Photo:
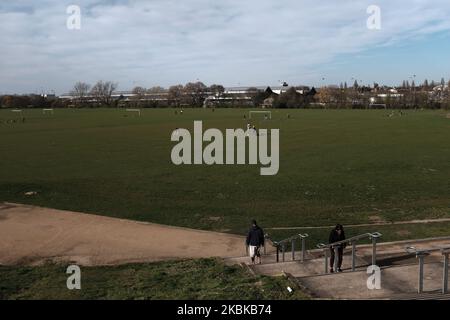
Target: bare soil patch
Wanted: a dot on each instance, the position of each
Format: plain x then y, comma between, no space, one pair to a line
32,235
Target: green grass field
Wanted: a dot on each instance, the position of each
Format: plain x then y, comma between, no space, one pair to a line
189,279
350,166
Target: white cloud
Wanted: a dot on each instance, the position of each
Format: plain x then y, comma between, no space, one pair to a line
167,41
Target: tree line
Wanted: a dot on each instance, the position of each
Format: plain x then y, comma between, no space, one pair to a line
430,95
196,94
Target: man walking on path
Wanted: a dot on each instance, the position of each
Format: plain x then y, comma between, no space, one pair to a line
255,240
336,235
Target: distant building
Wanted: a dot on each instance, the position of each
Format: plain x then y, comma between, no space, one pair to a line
268,103
231,95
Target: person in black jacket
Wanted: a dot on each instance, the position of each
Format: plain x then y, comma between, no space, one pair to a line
336,235
255,240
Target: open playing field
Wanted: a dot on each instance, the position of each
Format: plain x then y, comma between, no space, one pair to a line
347,166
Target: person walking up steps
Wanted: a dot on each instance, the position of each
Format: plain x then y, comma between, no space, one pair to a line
336,235
255,240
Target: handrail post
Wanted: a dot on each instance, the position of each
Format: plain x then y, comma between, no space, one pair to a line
421,257
283,248
353,255
293,249
303,248
266,238
421,254
278,253
325,250
374,251
336,257
445,273
353,240
374,237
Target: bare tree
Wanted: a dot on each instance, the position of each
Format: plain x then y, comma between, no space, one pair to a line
445,95
80,92
139,94
217,90
195,93
102,92
156,90
257,96
175,94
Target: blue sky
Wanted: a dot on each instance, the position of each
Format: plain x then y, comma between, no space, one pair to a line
427,58
253,42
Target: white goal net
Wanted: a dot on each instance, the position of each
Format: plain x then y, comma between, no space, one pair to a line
47,111
266,114
135,111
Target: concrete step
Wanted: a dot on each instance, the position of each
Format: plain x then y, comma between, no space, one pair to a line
270,257
388,254
437,295
314,263
309,267
396,282
399,271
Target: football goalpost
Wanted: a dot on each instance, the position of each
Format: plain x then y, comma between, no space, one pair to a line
267,114
377,106
45,111
137,111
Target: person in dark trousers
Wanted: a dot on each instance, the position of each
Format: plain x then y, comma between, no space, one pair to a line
336,235
255,240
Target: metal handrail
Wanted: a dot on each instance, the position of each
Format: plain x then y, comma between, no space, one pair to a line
297,236
353,240
281,245
421,254
415,251
350,240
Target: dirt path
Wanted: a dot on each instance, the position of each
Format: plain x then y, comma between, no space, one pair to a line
30,235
